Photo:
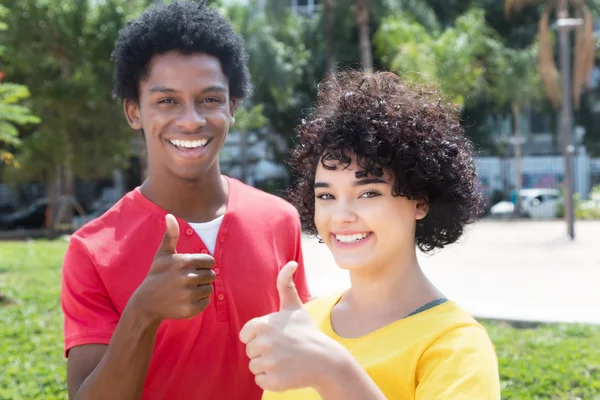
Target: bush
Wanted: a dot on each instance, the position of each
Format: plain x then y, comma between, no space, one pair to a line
547,361
584,209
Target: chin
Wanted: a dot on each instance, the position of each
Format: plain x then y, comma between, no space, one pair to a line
189,174
351,264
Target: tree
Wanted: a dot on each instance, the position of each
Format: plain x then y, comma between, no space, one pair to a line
248,119
582,65
515,83
364,36
12,113
284,50
328,29
67,64
453,56
584,48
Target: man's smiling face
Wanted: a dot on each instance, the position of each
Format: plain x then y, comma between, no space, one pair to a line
185,112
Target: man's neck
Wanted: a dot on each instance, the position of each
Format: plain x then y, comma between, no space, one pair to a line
200,200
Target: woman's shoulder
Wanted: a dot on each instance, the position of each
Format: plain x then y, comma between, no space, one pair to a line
321,306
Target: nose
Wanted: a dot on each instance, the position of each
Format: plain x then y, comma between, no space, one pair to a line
191,120
344,213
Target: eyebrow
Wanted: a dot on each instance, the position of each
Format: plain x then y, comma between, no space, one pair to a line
360,182
164,89
161,89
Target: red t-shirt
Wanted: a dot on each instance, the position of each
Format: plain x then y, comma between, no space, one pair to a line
201,358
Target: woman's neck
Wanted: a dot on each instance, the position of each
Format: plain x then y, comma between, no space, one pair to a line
395,289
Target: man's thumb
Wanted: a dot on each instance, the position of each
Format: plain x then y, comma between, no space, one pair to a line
288,295
169,241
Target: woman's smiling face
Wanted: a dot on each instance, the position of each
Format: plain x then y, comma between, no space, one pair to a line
359,219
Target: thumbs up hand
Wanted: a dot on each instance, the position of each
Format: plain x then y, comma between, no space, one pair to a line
177,285
286,349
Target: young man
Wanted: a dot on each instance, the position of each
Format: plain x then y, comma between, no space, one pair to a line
156,290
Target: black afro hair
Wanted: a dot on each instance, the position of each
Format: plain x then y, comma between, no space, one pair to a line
184,27
405,128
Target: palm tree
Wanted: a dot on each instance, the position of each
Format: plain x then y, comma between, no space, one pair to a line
328,9
584,46
364,38
583,66
516,84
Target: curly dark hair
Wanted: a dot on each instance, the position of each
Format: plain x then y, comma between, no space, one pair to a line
408,129
185,27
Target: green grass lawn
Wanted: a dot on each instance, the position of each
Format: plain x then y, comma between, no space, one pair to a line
543,362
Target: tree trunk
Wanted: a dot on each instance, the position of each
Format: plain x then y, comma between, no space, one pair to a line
329,6
364,38
516,110
68,193
51,192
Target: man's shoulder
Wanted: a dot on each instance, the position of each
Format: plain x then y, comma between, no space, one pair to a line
122,216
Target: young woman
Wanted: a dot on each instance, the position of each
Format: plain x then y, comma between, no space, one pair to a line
383,168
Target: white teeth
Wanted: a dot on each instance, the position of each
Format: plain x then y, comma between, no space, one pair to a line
351,238
189,144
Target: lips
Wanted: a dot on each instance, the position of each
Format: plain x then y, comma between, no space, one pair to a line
190,148
189,144
351,238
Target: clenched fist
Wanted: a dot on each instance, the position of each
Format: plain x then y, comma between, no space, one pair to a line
286,349
177,285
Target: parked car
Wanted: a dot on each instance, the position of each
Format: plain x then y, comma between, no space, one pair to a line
542,203
31,217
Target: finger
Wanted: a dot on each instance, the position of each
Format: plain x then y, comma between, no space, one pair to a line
269,382
196,261
201,292
261,381
256,366
170,238
198,306
250,330
288,295
255,348
194,307
197,278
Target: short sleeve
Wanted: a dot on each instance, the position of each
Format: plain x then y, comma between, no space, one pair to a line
461,364
89,314
300,277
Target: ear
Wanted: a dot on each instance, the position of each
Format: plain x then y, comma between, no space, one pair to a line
233,104
421,209
132,112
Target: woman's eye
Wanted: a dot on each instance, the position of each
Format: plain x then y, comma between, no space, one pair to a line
324,196
211,100
370,194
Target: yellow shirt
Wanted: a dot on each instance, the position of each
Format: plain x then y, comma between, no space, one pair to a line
440,353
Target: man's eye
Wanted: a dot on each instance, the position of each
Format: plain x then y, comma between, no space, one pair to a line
324,196
166,101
